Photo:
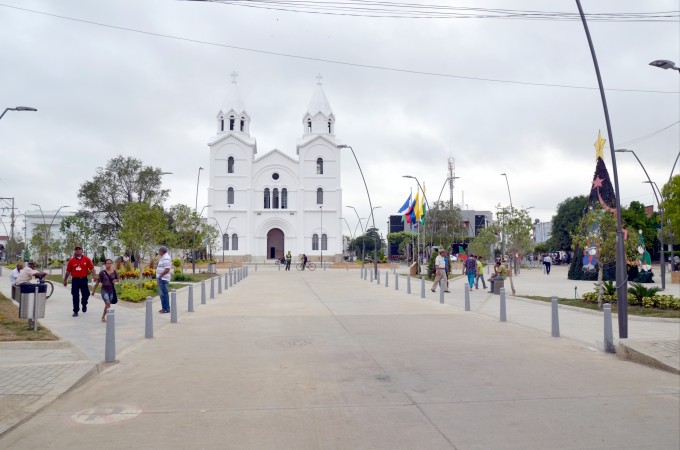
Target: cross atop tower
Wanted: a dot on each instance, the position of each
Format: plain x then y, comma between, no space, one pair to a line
318,79
233,76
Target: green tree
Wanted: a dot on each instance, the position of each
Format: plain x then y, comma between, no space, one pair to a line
209,238
671,203
564,224
144,226
401,239
635,218
40,242
484,242
183,222
122,181
370,240
596,232
444,225
76,230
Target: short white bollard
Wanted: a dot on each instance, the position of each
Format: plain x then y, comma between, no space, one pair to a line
148,326
503,315
371,276
555,317
396,281
442,288
226,283
422,287
219,285
377,276
190,299
387,278
212,287
231,278
608,332
110,348
203,292
173,306
467,297
408,284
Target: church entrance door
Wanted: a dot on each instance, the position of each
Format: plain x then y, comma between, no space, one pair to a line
275,240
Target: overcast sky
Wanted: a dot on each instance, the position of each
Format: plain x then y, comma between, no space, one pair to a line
103,91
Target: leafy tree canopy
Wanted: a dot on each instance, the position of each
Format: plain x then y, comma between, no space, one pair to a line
671,202
486,239
122,181
144,226
565,223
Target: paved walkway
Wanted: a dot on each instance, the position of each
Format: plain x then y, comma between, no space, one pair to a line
326,360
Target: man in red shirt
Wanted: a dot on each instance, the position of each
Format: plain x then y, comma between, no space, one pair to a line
79,267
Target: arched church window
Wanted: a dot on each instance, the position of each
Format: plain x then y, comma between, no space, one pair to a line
266,198
329,126
309,125
225,241
324,242
231,123
230,196
275,199
284,198
234,241
221,123
319,196
315,241
230,164
319,166
243,124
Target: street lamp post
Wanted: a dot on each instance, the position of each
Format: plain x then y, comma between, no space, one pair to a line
375,244
17,108
370,204
662,262
193,249
193,245
665,64
504,232
363,240
621,275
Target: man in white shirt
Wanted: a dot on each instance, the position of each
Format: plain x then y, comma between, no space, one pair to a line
15,273
440,269
28,273
547,261
163,279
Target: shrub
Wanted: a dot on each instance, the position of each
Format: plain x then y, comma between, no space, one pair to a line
132,293
182,277
644,277
637,291
177,263
608,288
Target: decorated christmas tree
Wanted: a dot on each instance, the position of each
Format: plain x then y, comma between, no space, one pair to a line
584,264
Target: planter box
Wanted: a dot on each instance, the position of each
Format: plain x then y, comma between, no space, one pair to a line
675,277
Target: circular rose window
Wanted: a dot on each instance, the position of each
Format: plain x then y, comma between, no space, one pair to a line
275,176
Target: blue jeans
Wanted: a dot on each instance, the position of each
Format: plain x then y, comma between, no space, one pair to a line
477,278
163,293
471,279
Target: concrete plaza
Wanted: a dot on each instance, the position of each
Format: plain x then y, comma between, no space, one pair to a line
324,359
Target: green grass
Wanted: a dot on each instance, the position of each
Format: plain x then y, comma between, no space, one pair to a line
14,329
632,310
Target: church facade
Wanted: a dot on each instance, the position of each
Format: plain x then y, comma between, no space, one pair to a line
268,204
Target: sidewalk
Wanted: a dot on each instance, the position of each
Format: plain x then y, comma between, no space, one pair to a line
241,336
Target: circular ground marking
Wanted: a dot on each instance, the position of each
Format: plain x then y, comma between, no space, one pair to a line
296,342
101,415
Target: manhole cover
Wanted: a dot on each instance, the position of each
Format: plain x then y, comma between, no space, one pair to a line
296,342
100,415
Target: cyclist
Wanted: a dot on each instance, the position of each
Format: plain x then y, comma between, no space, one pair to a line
304,261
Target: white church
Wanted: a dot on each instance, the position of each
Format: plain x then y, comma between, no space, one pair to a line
269,204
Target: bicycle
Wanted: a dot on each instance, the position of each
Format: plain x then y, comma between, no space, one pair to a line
309,266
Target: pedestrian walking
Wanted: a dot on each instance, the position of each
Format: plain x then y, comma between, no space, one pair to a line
470,268
480,273
439,271
107,278
547,261
289,258
163,279
78,268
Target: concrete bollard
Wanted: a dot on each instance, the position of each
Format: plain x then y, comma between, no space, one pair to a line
361,273
190,299
173,306
503,315
442,288
230,279
212,287
387,278
396,281
555,318
608,333
377,276
422,287
279,267
148,326
371,273
110,347
408,284
467,297
219,285
63,271
255,267
203,292
226,283
346,267
1,270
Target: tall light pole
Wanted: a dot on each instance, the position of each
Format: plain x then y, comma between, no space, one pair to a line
621,274
193,249
17,108
193,245
370,204
665,64
504,231
363,240
662,262
321,233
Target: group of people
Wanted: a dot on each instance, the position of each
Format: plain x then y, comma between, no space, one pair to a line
473,268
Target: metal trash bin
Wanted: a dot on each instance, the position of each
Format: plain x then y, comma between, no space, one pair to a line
212,268
30,303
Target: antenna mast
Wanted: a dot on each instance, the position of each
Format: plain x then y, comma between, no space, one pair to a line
452,172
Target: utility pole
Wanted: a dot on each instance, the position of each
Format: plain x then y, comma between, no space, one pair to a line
11,219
